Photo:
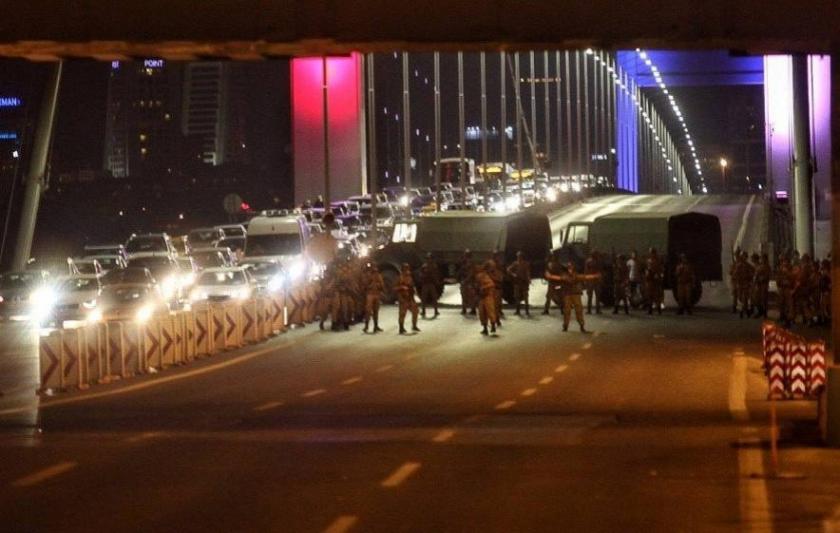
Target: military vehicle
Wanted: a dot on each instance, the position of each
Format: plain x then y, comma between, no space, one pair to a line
446,235
697,235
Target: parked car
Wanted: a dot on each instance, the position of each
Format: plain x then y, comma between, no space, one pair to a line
150,243
108,262
76,297
223,284
233,230
165,270
26,295
129,275
204,238
128,301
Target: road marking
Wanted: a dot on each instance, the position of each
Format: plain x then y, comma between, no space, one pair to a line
743,229
444,435
756,514
574,357
507,404
350,381
157,381
143,436
342,524
587,346
400,474
738,390
268,405
315,392
384,368
561,368
529,392
45,474
546,380
658,336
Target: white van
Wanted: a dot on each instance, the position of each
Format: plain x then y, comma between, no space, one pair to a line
277,239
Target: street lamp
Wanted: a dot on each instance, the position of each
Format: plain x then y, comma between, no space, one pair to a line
723,164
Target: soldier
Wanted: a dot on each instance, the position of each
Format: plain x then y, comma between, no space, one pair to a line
342,302
487,297
570,283
328,295
520,272
621,284
684,276
803,289
733,283
466,277
592,267
373,286
430,283
654,278
498,277
635,274
744,274
785,282
405,295
553,267
761,286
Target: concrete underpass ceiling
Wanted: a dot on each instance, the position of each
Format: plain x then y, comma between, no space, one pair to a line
253,29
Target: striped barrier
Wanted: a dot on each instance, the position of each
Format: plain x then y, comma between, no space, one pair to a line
49,355
203,340
150,347
795,368
114,353
167,340
278,313
72,361
249,322
232,325
132,339
93,353
217,328
188,345
816,367
178,336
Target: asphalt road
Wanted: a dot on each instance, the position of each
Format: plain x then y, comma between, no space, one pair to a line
630,428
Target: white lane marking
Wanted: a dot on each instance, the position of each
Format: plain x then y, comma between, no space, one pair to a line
561,368
658,336
743,229
574,357
143,436
315,392
546,380
400,474
350,381
529,392
384,368
157,381
587,346
45,474
507,404
444,435
738,390
268,405
756,514
342,524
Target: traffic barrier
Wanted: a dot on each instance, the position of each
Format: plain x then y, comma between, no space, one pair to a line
295,306
132,338
150,347
203,340
797,360
167,340
49,355
72,360
266,317
217,328
178,333
249,322
774,356
114,358
233,325
93,353
278,312
816,367
189,321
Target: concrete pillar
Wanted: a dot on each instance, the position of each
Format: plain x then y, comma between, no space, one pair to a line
803,201
835,205
37,170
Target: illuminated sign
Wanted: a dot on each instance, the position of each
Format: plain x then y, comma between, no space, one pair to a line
10,101
8,136
115,65
153,63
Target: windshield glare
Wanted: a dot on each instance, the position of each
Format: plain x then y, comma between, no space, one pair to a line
233,277
273,244
17,280
146,244
81,284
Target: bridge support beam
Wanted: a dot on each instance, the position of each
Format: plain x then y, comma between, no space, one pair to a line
37,170
835,203
803,187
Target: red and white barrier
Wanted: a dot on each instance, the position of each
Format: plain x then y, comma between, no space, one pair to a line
795,368
816,366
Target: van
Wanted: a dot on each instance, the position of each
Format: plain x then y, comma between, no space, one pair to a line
279,239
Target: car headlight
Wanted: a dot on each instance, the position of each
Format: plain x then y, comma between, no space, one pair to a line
404,201
169,287
564,187
364,250
275,283
187,279
512,202
551,195
42,301
95,316
242,294
196,296
296,270
144,314
576,187
90,304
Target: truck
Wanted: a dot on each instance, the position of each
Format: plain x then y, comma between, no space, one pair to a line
450,171
447,235
697,235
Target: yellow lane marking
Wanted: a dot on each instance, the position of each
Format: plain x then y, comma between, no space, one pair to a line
400,474
45,474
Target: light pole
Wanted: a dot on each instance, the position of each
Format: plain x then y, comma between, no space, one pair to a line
723,164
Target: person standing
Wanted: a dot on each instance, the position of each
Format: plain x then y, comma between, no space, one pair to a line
466,278
803,289
744,274
634,275
571,285
374,287
684,275
429,285
784,283
654,279
592,267
825,291
405,295
327,295
520,273
761,286
552,268
498,276
621,284
487,297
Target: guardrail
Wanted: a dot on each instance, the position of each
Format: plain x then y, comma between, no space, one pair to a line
102,352
795,367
